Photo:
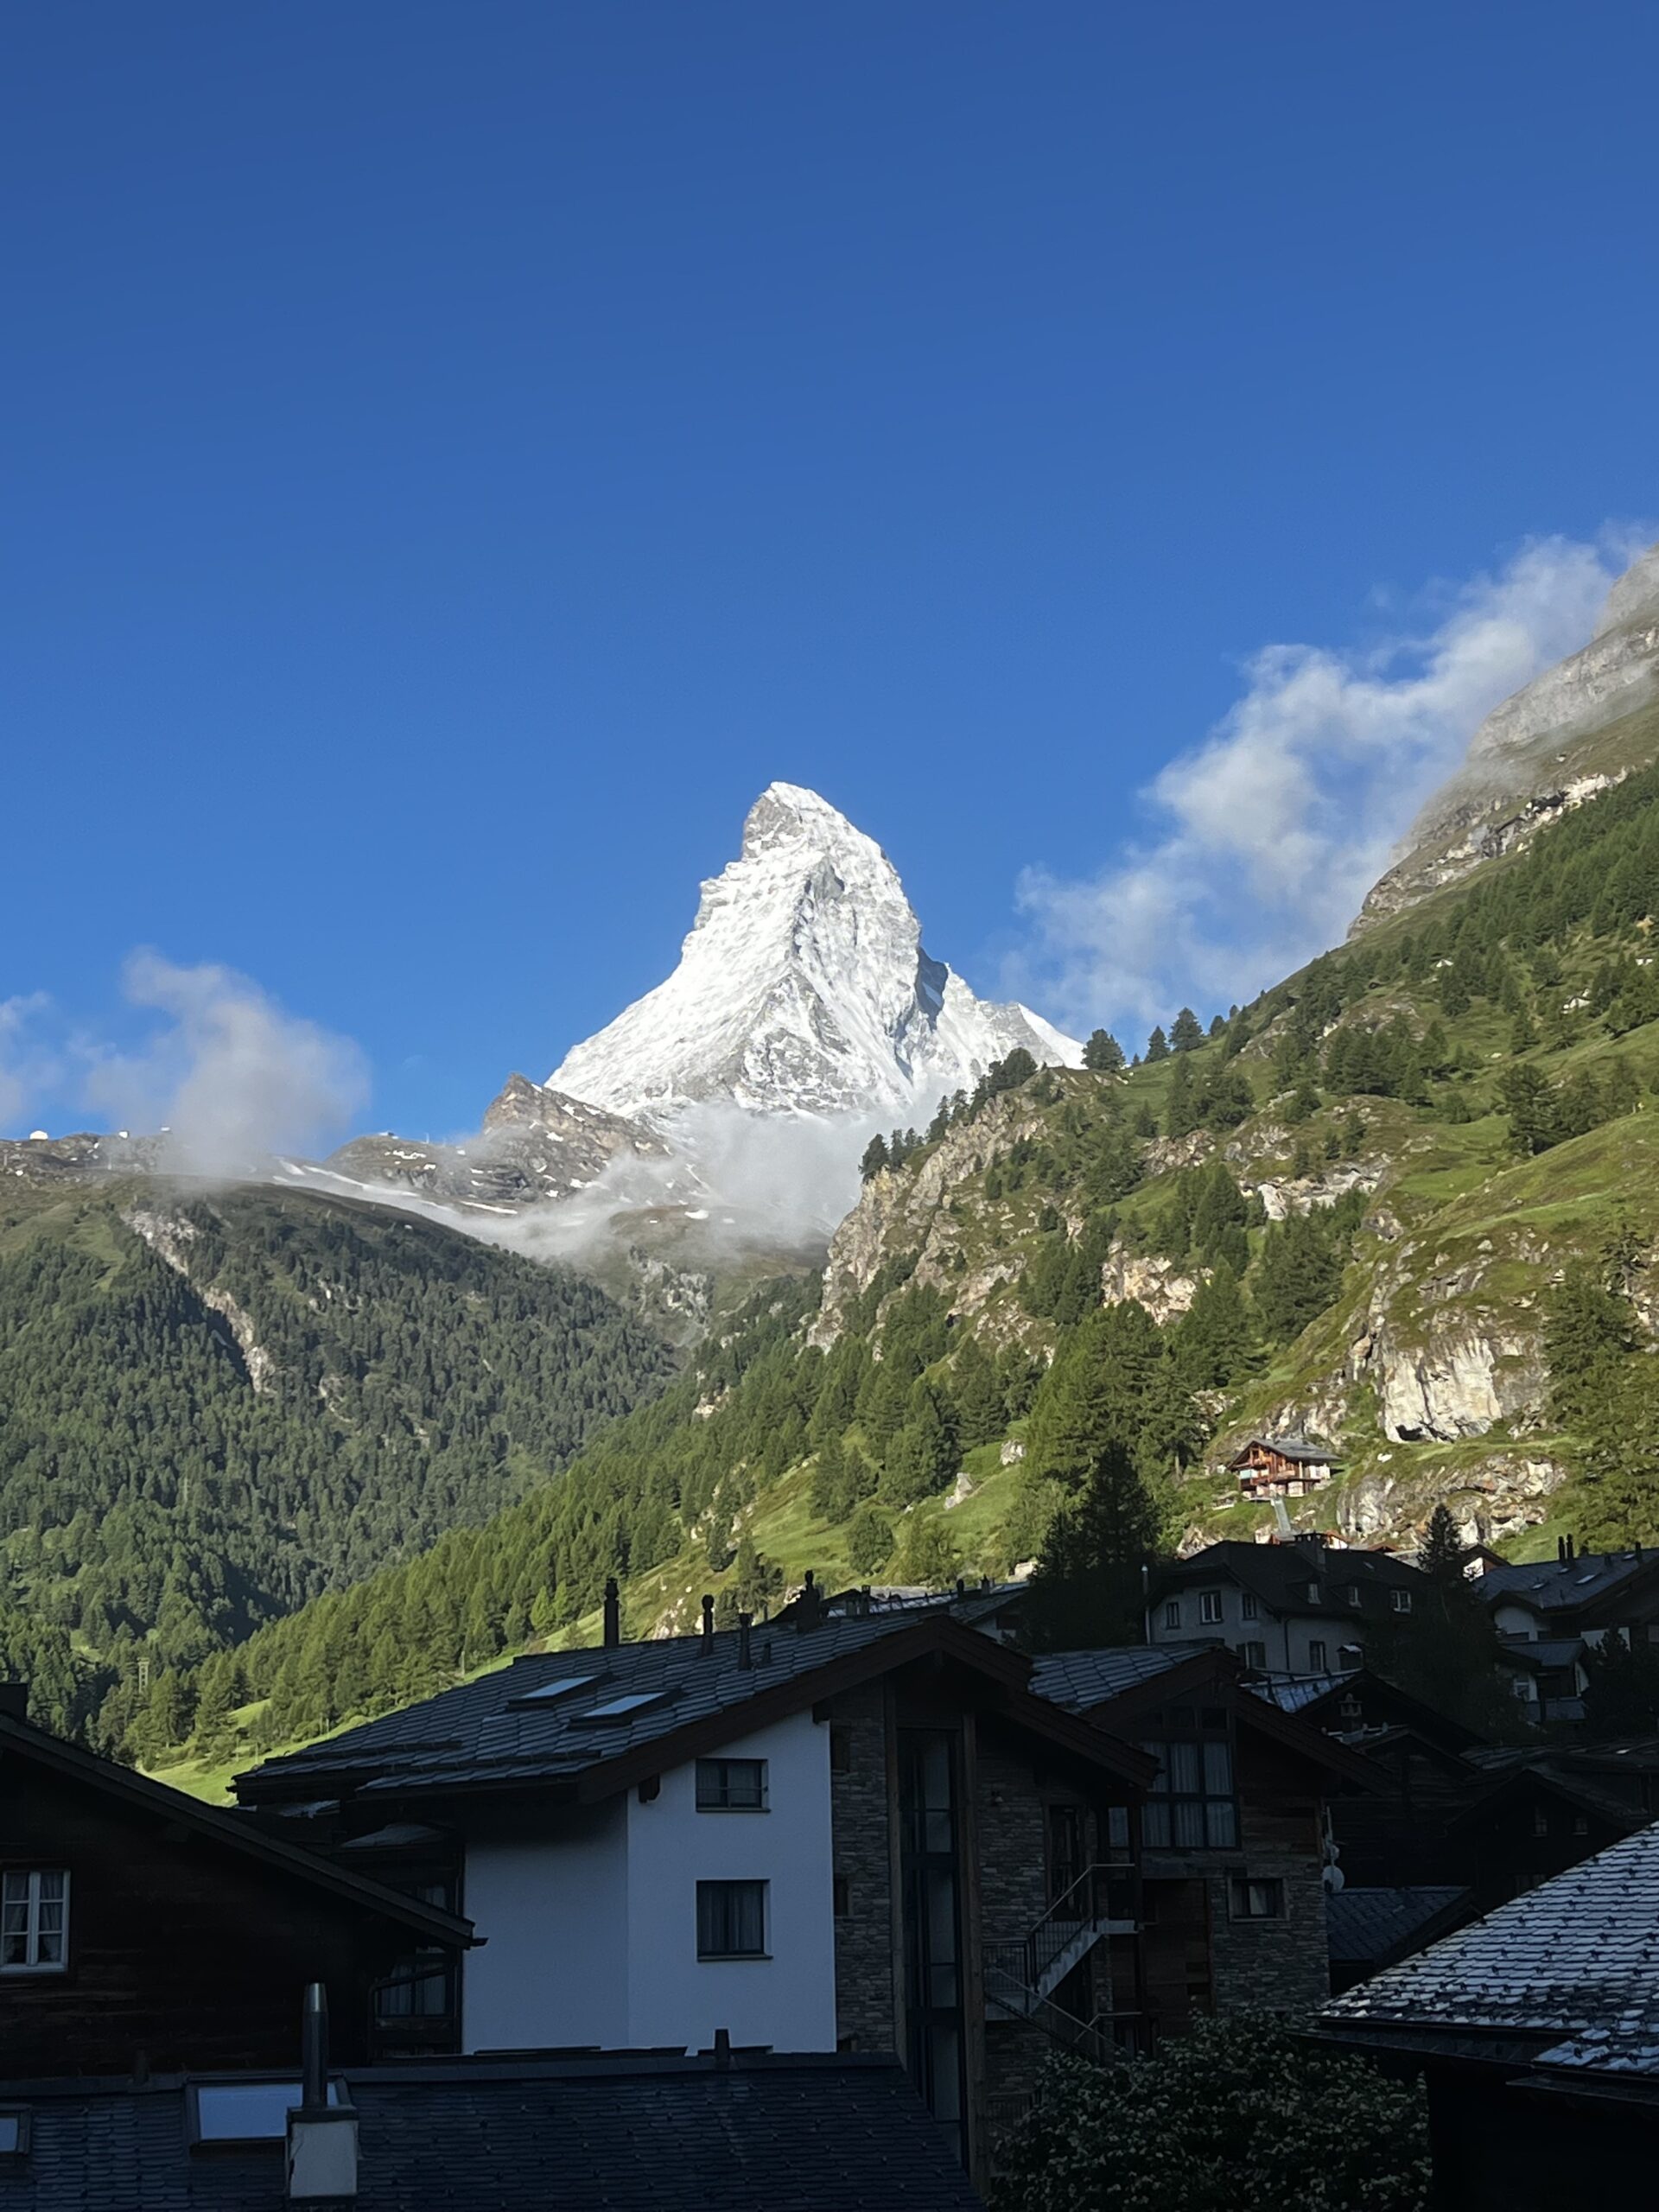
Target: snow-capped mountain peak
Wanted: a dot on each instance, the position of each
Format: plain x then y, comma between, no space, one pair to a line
802,987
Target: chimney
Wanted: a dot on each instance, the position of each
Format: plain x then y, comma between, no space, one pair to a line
1561,1549
722,2046
809,1606
707,1645
745,1656
612,1635
14,1701
322,2137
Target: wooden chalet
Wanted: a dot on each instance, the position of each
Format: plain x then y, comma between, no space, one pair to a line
1282,1466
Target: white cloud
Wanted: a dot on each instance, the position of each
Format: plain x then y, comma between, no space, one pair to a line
28,1069
1270,832
229,1073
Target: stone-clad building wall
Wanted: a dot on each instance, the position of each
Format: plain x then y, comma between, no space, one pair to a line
867,1935
1276,1965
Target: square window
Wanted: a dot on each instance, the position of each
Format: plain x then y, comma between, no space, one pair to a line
1401,1600
1210,1607
1254,1900
731,1920
731,1785
34,1920
1247,1608
1253,1655
1172,1614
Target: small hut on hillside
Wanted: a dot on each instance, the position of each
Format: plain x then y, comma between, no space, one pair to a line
1282,1466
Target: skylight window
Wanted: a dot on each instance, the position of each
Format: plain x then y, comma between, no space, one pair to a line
619,1708
549,1692
247,2112
14,2134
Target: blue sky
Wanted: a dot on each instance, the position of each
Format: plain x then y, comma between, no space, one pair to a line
457,455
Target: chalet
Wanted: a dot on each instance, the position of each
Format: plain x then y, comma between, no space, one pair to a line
1536,2030
1300,1608
635,2132
138,1926
1282,1466
1233,1829
857,1834
1581,1595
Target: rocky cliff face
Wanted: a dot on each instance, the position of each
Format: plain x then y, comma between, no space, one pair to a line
1538,755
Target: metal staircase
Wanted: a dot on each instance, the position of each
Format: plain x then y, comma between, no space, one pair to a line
1021,1977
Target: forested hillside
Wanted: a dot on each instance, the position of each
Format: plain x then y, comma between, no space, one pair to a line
212,1408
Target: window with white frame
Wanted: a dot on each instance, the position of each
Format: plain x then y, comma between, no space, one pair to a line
1316,1656
731,1920
731,1785
1401,1600
1352,1595
1172,1614
1210,1607
34,1920
1253,1655
1247,1605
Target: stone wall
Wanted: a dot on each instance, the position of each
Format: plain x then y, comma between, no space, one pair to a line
1279,1966
867,1933
1008,1815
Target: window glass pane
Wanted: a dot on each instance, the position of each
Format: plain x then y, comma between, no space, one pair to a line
1218,1769
1189,1823
1154,1825
1117,1828
11,2133
1184,1770
249,2112
1221,1820
1160,1752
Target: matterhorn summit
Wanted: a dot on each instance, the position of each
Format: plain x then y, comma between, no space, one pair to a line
802,988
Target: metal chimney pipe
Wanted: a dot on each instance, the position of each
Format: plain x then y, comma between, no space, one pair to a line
612,1635
708,1628
314,2047
744,1656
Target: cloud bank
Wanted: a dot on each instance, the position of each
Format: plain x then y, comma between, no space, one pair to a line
1269,833
228,1073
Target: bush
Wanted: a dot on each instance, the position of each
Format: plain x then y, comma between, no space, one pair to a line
1237,2115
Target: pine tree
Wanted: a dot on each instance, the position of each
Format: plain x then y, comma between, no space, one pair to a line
929,1557
1187,1032
876,1157
1088,1588
1441,1554
870,1539
1157,1047
1102,1053
978,1395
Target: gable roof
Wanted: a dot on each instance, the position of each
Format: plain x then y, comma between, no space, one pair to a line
1568,1585
1115,1685
1304,1450
632,2133
1580,1953
517,1729
1370,1926
1278,1574
230,1832
1319,1697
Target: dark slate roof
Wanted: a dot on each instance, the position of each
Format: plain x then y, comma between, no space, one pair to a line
1366,1925
1293,1693
518,1726
1545,1655
1561,1585
629,2133
485,1730
1079,1681
1278,1573
1580,1953
1306,1450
